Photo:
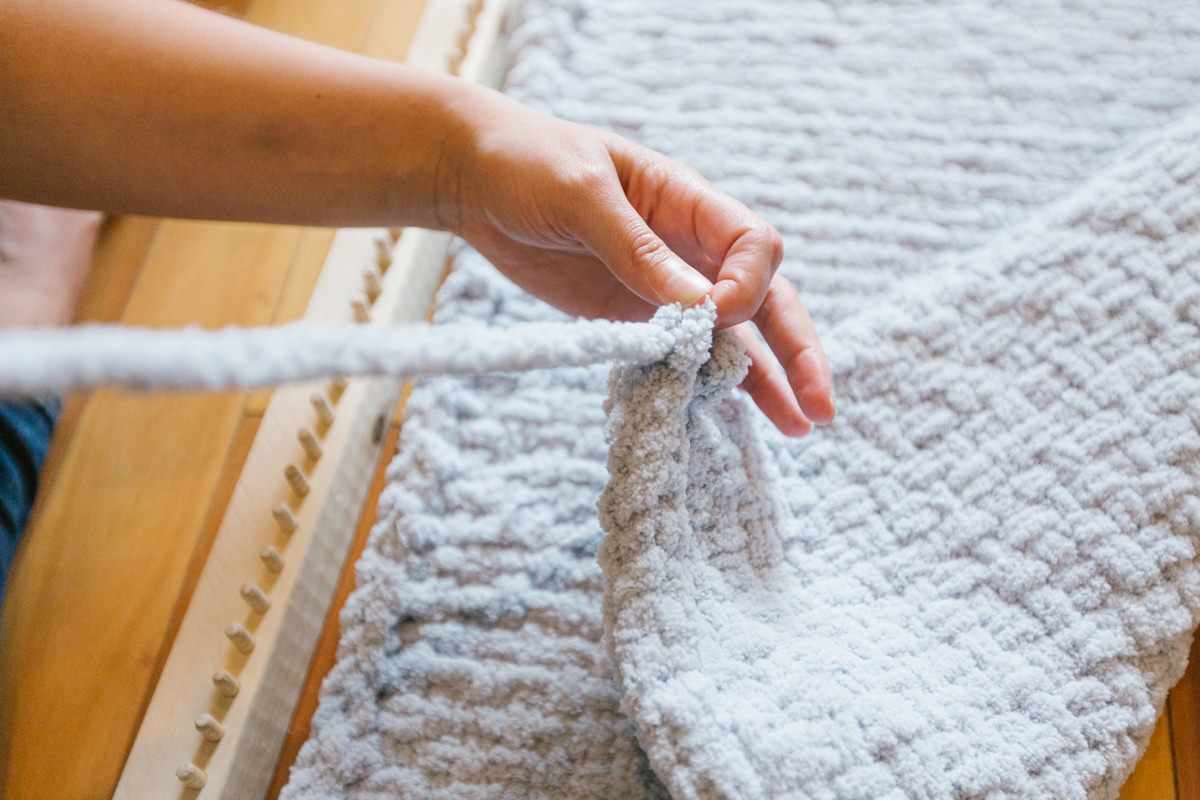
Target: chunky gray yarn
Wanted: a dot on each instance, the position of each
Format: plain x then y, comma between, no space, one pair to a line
88,356
990,580
979,582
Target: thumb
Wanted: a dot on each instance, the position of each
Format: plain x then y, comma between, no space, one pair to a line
634,253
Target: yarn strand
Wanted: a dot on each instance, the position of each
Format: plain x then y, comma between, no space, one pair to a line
89,356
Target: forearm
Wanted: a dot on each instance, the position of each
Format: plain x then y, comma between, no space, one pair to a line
157,107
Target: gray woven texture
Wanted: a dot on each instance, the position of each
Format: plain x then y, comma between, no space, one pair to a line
986,574
983,580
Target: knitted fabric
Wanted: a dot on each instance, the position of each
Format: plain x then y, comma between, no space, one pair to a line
916,157
987,581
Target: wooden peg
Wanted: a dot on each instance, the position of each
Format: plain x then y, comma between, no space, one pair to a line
226,684
371,281
296,479
242,639
284,518
464,37
383,253
359,307
323,408
394,234
312,448
209,728
336,387
270,556
255,598
190,775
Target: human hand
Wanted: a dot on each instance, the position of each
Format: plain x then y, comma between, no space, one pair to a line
601,227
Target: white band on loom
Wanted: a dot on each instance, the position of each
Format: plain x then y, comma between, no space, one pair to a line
87,356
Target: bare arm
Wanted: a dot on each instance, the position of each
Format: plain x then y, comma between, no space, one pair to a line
157,107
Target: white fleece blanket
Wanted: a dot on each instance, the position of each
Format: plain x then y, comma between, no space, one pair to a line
979,582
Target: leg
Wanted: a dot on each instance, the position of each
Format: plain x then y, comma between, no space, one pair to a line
44,257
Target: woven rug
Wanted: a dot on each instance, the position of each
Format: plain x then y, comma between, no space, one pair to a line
980,581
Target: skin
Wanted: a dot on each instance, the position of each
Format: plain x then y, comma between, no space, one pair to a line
44,256
160,108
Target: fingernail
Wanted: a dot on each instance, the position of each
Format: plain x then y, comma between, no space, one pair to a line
686,286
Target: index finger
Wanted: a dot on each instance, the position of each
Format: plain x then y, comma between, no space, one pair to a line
747,250
712,231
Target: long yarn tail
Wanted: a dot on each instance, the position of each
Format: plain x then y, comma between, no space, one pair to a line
89,356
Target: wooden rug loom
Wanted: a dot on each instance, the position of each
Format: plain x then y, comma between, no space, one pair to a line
220,709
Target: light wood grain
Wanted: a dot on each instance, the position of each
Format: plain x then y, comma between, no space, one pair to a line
120,254
269,648
102,565
1154,776
343,24
1184,708
240,764
306,267
326,652
106,559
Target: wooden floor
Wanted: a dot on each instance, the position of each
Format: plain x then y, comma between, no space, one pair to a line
136,484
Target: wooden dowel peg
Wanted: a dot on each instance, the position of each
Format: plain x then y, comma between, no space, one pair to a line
465,33
190,775
312,448
270,556
284,518
209,728
359,307
296,479
336,387
255,598
242,639
324,410
383,253
226,684
371,282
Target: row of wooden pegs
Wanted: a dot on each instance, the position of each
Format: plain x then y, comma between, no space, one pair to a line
225,682
463,40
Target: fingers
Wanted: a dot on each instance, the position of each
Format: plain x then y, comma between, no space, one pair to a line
662,203
706,226
752,251
618,234
768,386
789,331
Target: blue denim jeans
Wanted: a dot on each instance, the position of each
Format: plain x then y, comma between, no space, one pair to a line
25,428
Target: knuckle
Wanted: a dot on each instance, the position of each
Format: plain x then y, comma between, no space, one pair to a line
774,244
645,250
588,177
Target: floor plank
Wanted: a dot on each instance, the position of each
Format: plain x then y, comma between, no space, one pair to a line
1184,707
1154,776
120,253
105,559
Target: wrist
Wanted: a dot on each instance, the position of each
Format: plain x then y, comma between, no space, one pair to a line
455,112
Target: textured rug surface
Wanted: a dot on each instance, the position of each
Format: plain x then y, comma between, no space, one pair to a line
996,582
980,581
